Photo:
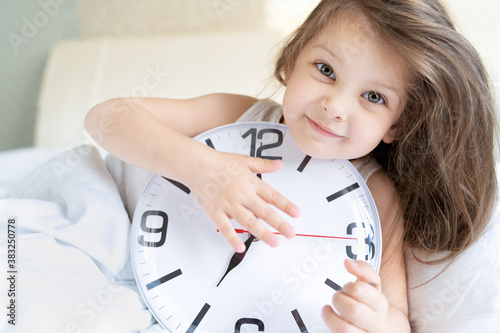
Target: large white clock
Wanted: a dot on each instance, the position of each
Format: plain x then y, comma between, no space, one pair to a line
191,279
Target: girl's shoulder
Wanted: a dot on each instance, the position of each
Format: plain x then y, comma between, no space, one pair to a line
366,166
383,191
263,110
380,185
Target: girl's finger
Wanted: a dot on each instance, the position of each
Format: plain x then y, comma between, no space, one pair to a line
261,165
250,222
336,323
364,272
227,230
367,294
266,192
273,197
265,212
360,314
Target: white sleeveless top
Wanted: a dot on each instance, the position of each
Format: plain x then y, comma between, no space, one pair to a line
132,180
268,110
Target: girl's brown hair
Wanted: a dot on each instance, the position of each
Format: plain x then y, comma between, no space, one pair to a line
442,162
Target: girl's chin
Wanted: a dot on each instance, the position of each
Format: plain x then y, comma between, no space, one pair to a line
316,151
325,152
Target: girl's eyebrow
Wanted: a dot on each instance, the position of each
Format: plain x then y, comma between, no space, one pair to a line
388,87
330,52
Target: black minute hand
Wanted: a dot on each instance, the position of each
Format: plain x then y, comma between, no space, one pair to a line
237,257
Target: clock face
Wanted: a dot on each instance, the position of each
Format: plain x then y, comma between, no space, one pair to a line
191,279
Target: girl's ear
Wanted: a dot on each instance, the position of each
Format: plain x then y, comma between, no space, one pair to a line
391,134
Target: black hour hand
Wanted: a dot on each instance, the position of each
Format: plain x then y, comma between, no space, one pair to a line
237,257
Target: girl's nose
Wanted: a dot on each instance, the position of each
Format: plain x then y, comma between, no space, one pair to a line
335,108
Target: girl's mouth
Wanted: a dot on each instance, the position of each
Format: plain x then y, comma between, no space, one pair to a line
324,131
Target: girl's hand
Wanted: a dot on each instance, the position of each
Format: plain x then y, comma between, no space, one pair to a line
232,190
361,304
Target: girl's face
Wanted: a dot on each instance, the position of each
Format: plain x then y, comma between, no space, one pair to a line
345,93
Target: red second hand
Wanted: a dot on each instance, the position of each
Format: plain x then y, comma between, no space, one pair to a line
242,231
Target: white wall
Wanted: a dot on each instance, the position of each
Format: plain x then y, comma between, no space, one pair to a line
28,28
479,21
21,65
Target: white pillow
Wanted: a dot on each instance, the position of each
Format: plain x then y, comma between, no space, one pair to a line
466,296
131,181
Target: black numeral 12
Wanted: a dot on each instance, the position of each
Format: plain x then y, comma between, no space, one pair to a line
254,135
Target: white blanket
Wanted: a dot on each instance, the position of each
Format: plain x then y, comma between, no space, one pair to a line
72,247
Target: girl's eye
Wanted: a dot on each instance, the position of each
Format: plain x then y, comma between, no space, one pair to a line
326,70
374,97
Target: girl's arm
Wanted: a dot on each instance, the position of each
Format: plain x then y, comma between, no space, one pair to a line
376,303
392,270
150,132
155,134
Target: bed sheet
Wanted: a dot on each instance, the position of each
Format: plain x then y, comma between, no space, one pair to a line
73,271
16,163
72,245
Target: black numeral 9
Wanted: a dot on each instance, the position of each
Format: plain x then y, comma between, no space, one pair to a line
162,230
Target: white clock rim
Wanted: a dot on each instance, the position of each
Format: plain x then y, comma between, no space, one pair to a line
258,124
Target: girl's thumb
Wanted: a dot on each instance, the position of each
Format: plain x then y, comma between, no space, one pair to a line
262,165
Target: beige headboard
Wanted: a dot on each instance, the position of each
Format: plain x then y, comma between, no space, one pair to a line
80,74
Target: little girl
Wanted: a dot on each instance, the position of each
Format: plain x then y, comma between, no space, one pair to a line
391,86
